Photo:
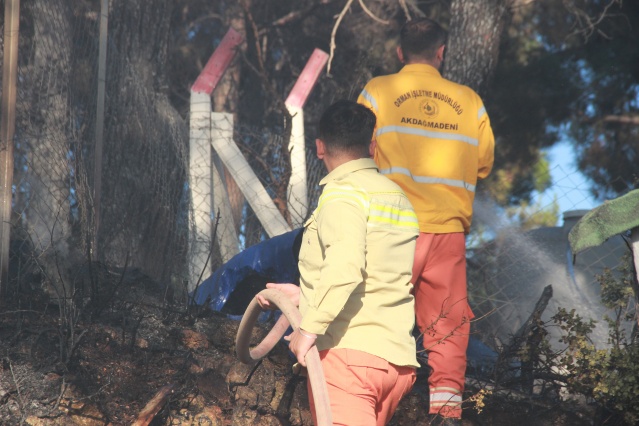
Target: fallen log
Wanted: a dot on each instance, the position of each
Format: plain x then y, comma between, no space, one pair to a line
154,406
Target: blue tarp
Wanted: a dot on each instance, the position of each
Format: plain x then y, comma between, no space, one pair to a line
232,287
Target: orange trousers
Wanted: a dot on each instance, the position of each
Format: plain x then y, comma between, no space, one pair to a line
443,316
363,389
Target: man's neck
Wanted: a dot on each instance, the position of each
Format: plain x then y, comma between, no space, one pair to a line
334,161
434,64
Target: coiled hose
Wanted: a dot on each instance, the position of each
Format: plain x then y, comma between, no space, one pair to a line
291,317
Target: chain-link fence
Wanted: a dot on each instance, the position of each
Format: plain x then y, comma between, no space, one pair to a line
81,207
138,188
511,267
55,120
145,214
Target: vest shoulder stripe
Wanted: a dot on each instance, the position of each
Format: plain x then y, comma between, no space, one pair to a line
370,99
481,112
429,179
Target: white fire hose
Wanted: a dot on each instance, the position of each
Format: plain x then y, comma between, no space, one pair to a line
291,315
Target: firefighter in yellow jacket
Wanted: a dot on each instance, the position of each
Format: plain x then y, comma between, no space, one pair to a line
433,138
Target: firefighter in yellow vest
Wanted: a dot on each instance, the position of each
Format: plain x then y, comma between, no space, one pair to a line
355,266
433,138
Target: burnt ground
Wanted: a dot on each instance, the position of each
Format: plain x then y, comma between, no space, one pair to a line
93,363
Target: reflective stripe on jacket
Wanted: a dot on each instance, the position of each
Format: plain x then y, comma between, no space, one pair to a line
433,138
356,263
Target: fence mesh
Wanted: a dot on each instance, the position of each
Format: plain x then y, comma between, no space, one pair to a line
509,271
145,207
143,220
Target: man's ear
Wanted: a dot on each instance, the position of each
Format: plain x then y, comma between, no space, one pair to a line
372,147
400,54
321,148
440,53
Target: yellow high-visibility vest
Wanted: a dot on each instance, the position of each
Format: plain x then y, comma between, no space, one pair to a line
433,138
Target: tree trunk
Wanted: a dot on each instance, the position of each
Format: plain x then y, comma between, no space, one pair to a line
48,138
476,28
145,144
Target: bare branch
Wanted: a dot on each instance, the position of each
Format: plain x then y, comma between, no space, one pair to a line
258,49
369,13
335,27
412,6
154,405
296,15
15,381
622,119
520,3
587,25
293,16
260,70
54,409
402,3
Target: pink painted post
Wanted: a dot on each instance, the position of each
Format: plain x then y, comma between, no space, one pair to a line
296,193
217,63
307,79
203,177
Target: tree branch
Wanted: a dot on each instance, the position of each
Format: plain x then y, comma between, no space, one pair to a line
520,3
402,3
622,119
335,27
296,15
153,406
369,13
587,25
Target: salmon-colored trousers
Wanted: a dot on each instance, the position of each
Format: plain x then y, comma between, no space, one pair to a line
363,389
443,316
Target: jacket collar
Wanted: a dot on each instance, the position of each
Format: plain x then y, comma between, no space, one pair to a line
420,68
349,167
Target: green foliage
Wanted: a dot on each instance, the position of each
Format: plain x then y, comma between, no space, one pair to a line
581,361
604,120
616,292
541,174
609,376
567,71
530,216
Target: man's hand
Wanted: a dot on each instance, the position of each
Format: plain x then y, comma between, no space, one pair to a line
300,342
291,290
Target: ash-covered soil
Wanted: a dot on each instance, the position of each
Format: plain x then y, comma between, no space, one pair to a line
133,355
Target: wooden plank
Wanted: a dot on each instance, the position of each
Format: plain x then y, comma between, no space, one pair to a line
226,235
262,204
297,186
307,79
217,63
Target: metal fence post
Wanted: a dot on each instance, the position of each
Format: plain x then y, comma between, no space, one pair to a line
7,129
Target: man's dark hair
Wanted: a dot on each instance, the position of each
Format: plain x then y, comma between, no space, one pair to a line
420,39
347,127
